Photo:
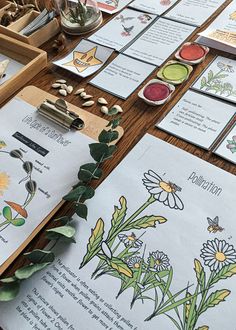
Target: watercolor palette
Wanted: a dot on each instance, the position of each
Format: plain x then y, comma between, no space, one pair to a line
175,72
192,53
156,92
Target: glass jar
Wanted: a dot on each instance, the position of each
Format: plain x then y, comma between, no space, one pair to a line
79,16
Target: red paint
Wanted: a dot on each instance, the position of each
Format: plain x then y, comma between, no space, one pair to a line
156,92
192,52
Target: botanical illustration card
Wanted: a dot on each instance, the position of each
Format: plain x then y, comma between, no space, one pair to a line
112,6
219,79
227,147
13,68
86,59
198,119
161,39
220,34
122,29
38,165
194,12
157,7
158,252
122,76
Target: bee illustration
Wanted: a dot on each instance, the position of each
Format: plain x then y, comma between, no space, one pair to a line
214,225
2,144
174,186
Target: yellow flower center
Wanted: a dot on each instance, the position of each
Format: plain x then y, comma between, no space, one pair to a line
136,265
131,238
220,256
158,262
4,182
166,186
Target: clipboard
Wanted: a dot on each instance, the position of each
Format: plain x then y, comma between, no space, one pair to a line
93,125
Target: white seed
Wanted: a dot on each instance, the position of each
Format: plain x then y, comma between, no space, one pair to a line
61,81
69,89
63,92
118,108
86,97
83,94
79,91
88,104
101,100
64,86
56,85
104,110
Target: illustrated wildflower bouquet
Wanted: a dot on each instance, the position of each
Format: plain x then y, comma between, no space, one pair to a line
150,275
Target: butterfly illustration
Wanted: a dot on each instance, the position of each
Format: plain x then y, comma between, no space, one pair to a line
214,225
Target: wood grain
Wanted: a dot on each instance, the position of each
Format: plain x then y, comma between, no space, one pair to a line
138,118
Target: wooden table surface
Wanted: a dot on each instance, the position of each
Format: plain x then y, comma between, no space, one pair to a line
138,118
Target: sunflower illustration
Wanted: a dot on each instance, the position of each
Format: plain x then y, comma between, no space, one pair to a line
217,254
158,261
4,182
129,240
164,192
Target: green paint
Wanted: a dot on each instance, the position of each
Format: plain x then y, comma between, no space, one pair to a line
175,72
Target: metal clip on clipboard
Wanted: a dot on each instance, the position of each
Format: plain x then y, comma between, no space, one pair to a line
59,114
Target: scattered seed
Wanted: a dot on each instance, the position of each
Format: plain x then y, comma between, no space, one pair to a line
61,81
79,91
86,97
118,108
88,104
64,86
104,110
83,94
101,100
56,85
63,92
69,89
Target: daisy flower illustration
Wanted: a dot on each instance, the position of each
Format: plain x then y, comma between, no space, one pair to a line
164,192
158,261
225,67
4,182
134,262
217,254
130,240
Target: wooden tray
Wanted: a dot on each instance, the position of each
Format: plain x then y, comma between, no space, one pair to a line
37,38
34,61
93,126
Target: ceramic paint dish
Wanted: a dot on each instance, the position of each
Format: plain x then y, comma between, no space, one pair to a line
175,72
192,53
156,92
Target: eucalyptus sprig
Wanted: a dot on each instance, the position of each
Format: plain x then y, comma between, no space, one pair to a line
64,230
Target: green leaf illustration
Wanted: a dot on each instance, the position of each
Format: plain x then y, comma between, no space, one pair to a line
18,222
200,274
121,267
94,242
224,273
210,75
40,256
175,304
203,82
203,327
27,271
8,292
146,222
7,213
119,213
214,299
168,283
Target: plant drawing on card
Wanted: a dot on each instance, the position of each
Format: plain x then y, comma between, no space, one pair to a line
13,213
122,254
